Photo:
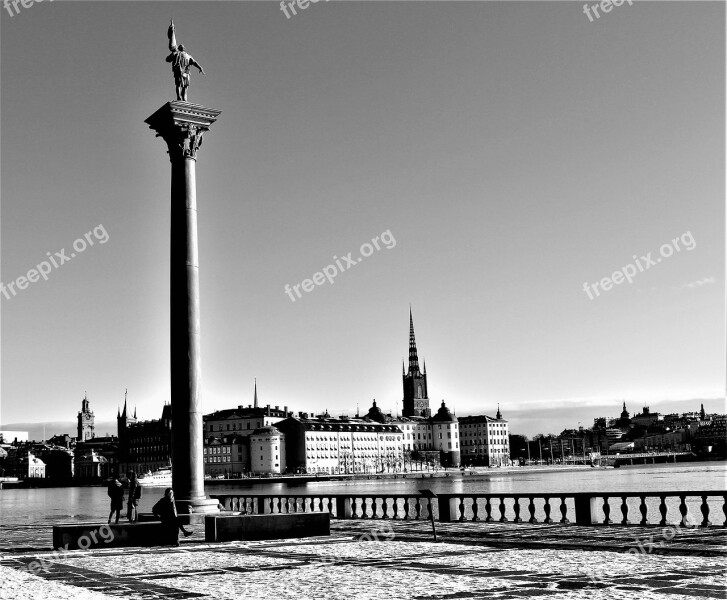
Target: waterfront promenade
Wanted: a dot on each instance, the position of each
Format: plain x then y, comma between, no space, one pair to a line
470,560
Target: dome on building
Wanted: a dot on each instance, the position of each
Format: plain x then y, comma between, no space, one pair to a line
375,414
443,414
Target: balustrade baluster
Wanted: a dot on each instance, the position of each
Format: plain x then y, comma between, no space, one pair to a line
406,508
563,511
606,511
705,512
287,504
663,510
643,509
488,510
396,507
418,508
624,511
364,508
429,510
353,508
330,506
531,510
386,508
474,509
503,518
547,509
461,508
516,508
683,509
320,504
312,504
373,507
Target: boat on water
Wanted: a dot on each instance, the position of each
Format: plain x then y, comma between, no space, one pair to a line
160,477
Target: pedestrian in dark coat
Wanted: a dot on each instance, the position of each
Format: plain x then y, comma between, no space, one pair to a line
166,510
116,493
134,497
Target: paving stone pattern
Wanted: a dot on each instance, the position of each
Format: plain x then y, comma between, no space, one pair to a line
471,560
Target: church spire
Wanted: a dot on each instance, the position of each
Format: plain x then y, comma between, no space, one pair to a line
126,393
413,358
499,414
255,398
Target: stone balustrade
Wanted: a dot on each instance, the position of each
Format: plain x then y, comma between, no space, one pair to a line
701,508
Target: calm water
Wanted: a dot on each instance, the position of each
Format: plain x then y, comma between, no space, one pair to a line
37,506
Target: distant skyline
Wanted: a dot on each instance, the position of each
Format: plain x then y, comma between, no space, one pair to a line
515,151
525,421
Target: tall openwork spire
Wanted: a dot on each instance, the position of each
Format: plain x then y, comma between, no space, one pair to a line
255,398
413,358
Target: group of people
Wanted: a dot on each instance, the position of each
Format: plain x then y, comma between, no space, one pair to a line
165,509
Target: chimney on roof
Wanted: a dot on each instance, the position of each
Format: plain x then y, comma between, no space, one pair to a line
277,407
285,410
267,410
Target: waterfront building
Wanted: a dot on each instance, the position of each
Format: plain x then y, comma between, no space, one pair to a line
24,464
226,456
144,446
341,445
647,418
485,440
267,451
86,429
96,458
242,420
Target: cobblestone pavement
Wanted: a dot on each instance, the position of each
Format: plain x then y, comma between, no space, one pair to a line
499,561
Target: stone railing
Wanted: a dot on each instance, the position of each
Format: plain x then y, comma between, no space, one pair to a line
585,508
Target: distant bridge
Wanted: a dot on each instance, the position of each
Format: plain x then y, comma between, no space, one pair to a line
646,457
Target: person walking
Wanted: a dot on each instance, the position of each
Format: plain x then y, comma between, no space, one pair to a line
166,510
134,497
116,493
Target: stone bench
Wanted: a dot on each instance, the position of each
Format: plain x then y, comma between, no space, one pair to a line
228,528
93,535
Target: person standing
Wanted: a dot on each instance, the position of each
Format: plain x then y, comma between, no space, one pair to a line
116,493
134,497
166,510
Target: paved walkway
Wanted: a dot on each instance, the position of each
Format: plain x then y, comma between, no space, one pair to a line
471,560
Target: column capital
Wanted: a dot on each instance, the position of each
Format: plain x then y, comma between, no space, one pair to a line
181,125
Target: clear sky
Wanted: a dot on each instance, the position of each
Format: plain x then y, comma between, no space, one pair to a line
514,151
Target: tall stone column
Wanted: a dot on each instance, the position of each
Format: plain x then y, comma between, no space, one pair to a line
181,125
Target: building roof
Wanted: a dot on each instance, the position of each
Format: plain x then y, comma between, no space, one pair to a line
480,419
337,425
267,431
443,415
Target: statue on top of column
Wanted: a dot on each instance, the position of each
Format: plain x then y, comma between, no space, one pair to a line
181,61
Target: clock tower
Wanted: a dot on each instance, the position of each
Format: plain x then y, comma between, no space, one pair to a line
85,421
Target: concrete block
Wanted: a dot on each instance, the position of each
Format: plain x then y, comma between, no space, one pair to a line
91,535
224,528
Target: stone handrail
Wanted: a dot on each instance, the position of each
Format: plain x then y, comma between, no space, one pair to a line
581,508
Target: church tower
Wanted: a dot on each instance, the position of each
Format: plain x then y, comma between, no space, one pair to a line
123,420
85,421
416,399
